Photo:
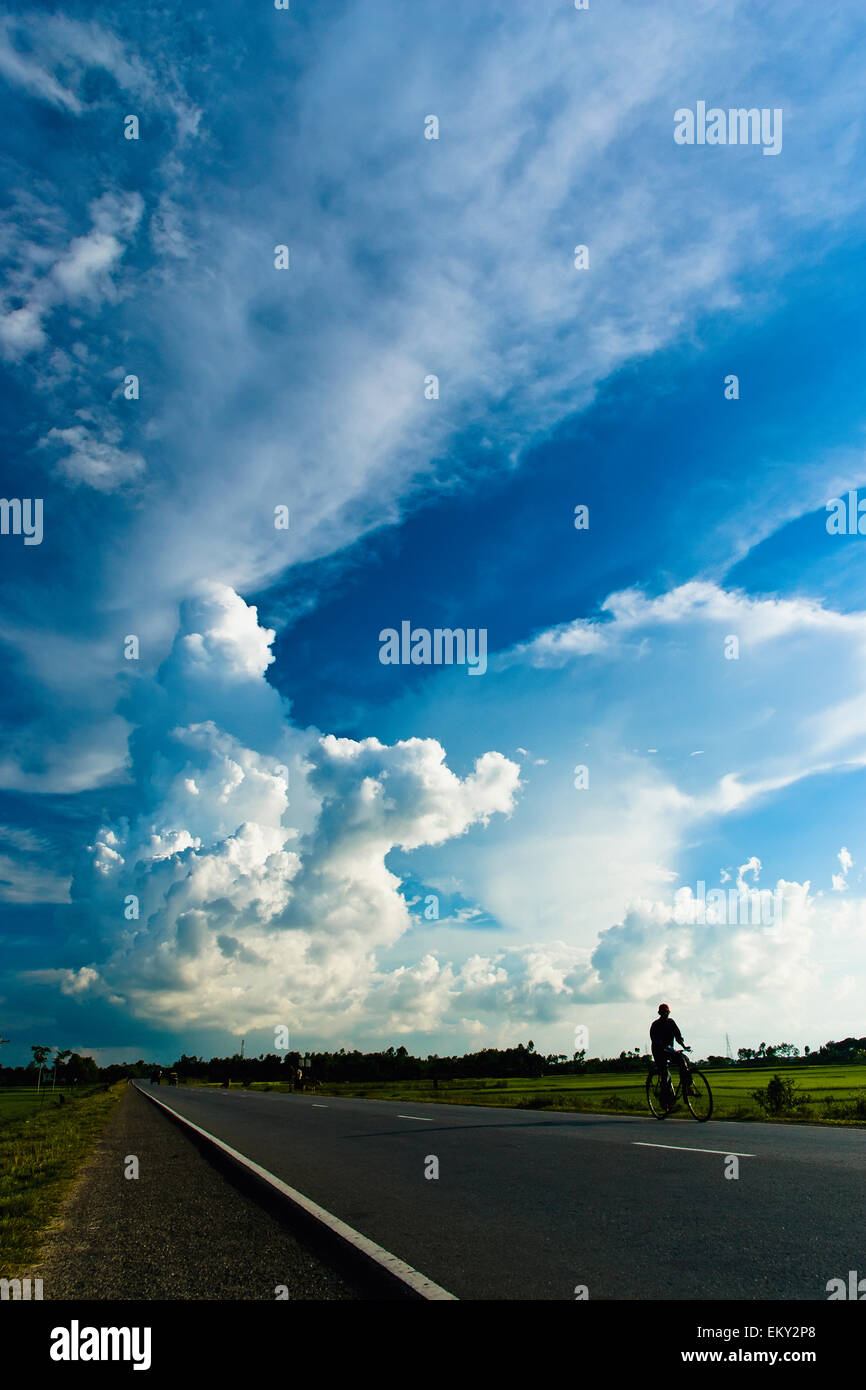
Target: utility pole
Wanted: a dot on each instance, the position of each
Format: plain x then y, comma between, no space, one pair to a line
728,1042
243,1040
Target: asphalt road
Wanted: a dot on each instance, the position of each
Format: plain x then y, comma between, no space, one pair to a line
531,1206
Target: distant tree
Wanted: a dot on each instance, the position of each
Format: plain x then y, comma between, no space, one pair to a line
81,1068
40,1057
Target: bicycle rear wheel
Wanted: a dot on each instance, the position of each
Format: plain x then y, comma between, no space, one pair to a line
698,1096
658,1106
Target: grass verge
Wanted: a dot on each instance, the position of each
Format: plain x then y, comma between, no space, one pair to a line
41,1154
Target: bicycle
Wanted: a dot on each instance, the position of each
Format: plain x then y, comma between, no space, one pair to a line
692,1086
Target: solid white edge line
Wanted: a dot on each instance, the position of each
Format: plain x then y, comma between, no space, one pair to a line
690,1149
419,1283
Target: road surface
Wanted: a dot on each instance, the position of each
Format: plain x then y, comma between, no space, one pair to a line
535,1205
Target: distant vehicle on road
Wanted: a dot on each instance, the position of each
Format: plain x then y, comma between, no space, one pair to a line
155,1078
172,1078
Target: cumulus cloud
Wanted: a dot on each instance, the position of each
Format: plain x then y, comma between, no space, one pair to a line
236,918
840,881
99,463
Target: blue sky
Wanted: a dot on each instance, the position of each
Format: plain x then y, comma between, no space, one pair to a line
280,803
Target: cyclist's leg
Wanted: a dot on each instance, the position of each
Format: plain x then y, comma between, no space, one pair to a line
671,1054
661,1062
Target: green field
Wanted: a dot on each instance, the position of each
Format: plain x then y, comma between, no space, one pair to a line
17,1101
837,1095
42,1147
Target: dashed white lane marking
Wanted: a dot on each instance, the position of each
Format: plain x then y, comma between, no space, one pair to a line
690,1149
427,1118
316,1106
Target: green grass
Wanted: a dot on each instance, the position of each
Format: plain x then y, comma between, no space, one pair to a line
18,1101
42,1147
838,1094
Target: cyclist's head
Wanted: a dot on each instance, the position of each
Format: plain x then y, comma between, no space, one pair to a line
664,1009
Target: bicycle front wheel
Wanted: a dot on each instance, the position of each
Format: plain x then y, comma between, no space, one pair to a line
698,1096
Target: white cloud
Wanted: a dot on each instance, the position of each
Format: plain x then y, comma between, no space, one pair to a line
225,637
49,55
840,881
81,273
630,615
682,634
244,920
25,72
21,332
99,463
25,883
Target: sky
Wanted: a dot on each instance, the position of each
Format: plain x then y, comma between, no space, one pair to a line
221,812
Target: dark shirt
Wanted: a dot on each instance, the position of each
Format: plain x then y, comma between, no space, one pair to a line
662,1033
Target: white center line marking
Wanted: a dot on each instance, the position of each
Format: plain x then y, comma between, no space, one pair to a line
427,1118
690,1149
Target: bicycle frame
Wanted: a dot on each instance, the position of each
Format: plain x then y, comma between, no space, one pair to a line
682,1061
689,1085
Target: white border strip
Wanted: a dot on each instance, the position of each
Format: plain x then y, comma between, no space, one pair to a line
690,1149
397,1268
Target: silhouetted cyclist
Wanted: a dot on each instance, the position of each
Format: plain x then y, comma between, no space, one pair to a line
663,1031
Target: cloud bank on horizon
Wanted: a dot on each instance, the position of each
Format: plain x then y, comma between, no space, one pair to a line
278,805
241,913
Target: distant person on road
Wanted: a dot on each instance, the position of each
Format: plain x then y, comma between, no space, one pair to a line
663,1031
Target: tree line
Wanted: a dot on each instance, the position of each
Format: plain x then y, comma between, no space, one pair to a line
397,1064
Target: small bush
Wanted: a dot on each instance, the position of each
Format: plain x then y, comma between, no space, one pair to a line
779,1096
